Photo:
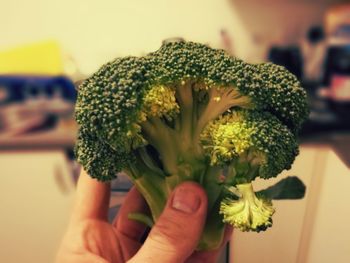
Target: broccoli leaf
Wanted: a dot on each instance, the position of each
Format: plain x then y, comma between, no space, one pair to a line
288,188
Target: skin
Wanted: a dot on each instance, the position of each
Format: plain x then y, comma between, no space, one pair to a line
173,239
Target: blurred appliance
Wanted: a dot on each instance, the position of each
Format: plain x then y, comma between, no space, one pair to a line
337,22
337,79
34,102
289,57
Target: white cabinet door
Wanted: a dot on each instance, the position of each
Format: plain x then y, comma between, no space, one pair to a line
36,193
327,227
315,229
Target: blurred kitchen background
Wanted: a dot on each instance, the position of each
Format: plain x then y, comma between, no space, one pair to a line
48,46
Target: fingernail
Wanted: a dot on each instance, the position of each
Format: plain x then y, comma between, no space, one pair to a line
185,201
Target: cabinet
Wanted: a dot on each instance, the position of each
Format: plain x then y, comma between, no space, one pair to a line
36,192
313,230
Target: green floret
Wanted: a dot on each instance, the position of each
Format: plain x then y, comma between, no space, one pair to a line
248,213
285,95
98,158
188,112
258,141
109,102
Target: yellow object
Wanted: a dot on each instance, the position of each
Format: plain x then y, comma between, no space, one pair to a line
42,58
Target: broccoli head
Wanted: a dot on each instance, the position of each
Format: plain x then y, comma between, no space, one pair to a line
190,112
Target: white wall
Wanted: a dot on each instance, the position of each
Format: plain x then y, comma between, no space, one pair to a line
281,22
96,31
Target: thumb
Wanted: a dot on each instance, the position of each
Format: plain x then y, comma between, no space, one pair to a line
177,231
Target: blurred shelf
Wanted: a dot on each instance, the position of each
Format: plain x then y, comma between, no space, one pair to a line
43,139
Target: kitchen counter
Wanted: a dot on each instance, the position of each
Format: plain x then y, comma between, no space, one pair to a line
338,141
57,138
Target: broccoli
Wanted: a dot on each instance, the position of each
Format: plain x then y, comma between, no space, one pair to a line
190,112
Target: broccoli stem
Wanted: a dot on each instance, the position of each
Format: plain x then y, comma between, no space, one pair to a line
213,232
243,169
211,183
247,192
183,160
164,140
184,96
156,186
151,186
142,218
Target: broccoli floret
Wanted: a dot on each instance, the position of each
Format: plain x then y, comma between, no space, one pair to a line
248,212
190,112
256,140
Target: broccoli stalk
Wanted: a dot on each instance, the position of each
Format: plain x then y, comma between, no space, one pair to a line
191,113
181,157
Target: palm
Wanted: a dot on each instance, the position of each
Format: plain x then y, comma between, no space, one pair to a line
91,238
104,240
100,239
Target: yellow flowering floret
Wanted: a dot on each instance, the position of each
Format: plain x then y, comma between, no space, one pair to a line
248,212
160,101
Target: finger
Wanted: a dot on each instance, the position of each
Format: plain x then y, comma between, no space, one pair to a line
177,231
212,255
80,258
92,199
133,203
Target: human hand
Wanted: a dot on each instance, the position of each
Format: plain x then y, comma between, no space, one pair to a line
174,237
